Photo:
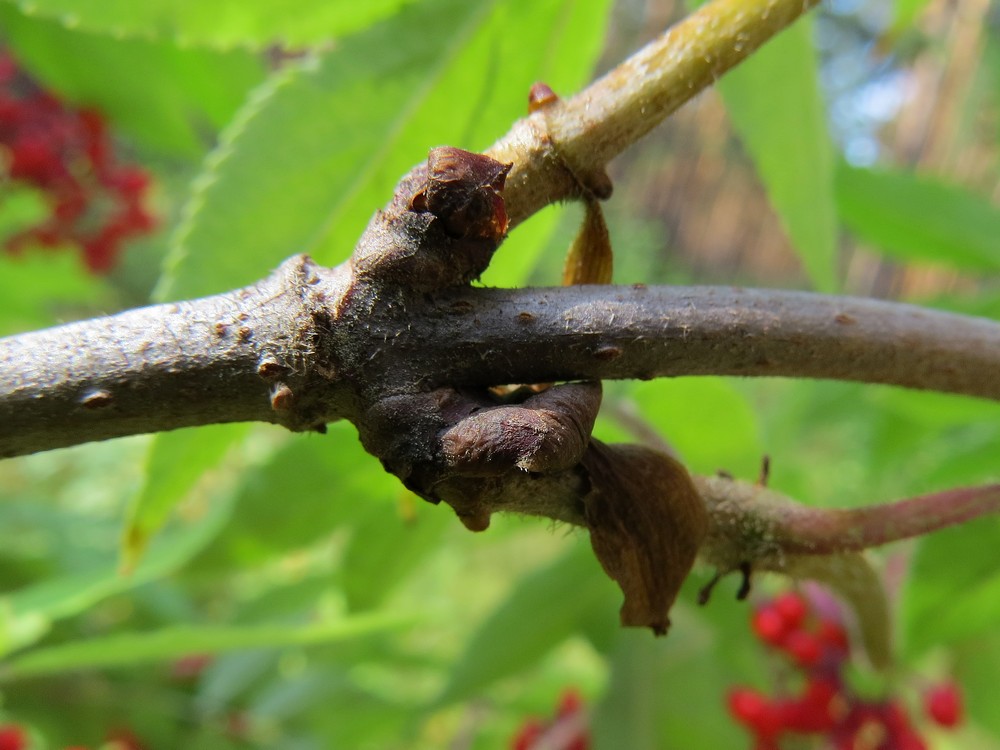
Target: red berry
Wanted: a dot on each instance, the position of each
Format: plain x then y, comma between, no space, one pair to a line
814,710
8,68
100,252
70,205
896,719
792,609
33,159
12,737
832,634
753,710
527,735
11,111
128,181
769,625
805,648
124,739
569,704
943,704
190,666
136,219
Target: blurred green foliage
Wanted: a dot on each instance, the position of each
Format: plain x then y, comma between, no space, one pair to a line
332,609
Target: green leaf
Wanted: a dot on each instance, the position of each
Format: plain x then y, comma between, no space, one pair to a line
953,589
321,483
913,218
665,692
40,288
162,94
477,89
175,461
906,12
221,23
546,607
20,208
976,666
128,649
26,615
776,107
321,145
385,549
707,420
518,257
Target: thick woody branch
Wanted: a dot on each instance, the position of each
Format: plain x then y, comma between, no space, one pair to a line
168,367
485,336
227,358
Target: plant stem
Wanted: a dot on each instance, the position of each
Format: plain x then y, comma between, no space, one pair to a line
566,146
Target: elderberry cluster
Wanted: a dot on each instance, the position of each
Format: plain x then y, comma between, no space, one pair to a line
95,203
826,706
567,730
16,737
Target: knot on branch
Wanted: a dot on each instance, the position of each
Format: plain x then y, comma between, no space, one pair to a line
481,456
442,227
528,452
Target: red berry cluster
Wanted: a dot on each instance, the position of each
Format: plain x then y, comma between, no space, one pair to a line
567,730
95,203
826,706
15,737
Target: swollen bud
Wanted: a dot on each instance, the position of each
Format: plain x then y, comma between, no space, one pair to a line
540,96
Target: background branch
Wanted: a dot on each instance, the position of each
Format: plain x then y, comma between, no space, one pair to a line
566,145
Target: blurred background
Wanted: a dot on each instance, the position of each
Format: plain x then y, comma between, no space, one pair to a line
240,587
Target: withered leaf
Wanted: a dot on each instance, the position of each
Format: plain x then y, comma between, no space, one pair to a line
646,524
590,259
547,432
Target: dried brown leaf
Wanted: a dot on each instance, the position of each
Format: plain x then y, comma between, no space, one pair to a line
646,523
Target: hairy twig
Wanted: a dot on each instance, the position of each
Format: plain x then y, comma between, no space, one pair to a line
562,150
754,524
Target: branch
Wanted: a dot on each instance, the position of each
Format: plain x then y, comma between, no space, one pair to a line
167,367
490,336
564,147
218,359
753,524
194,363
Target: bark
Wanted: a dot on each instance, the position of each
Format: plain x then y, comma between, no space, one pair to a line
220,359
226,358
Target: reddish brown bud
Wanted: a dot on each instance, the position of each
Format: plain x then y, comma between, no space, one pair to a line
464,190
541,95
